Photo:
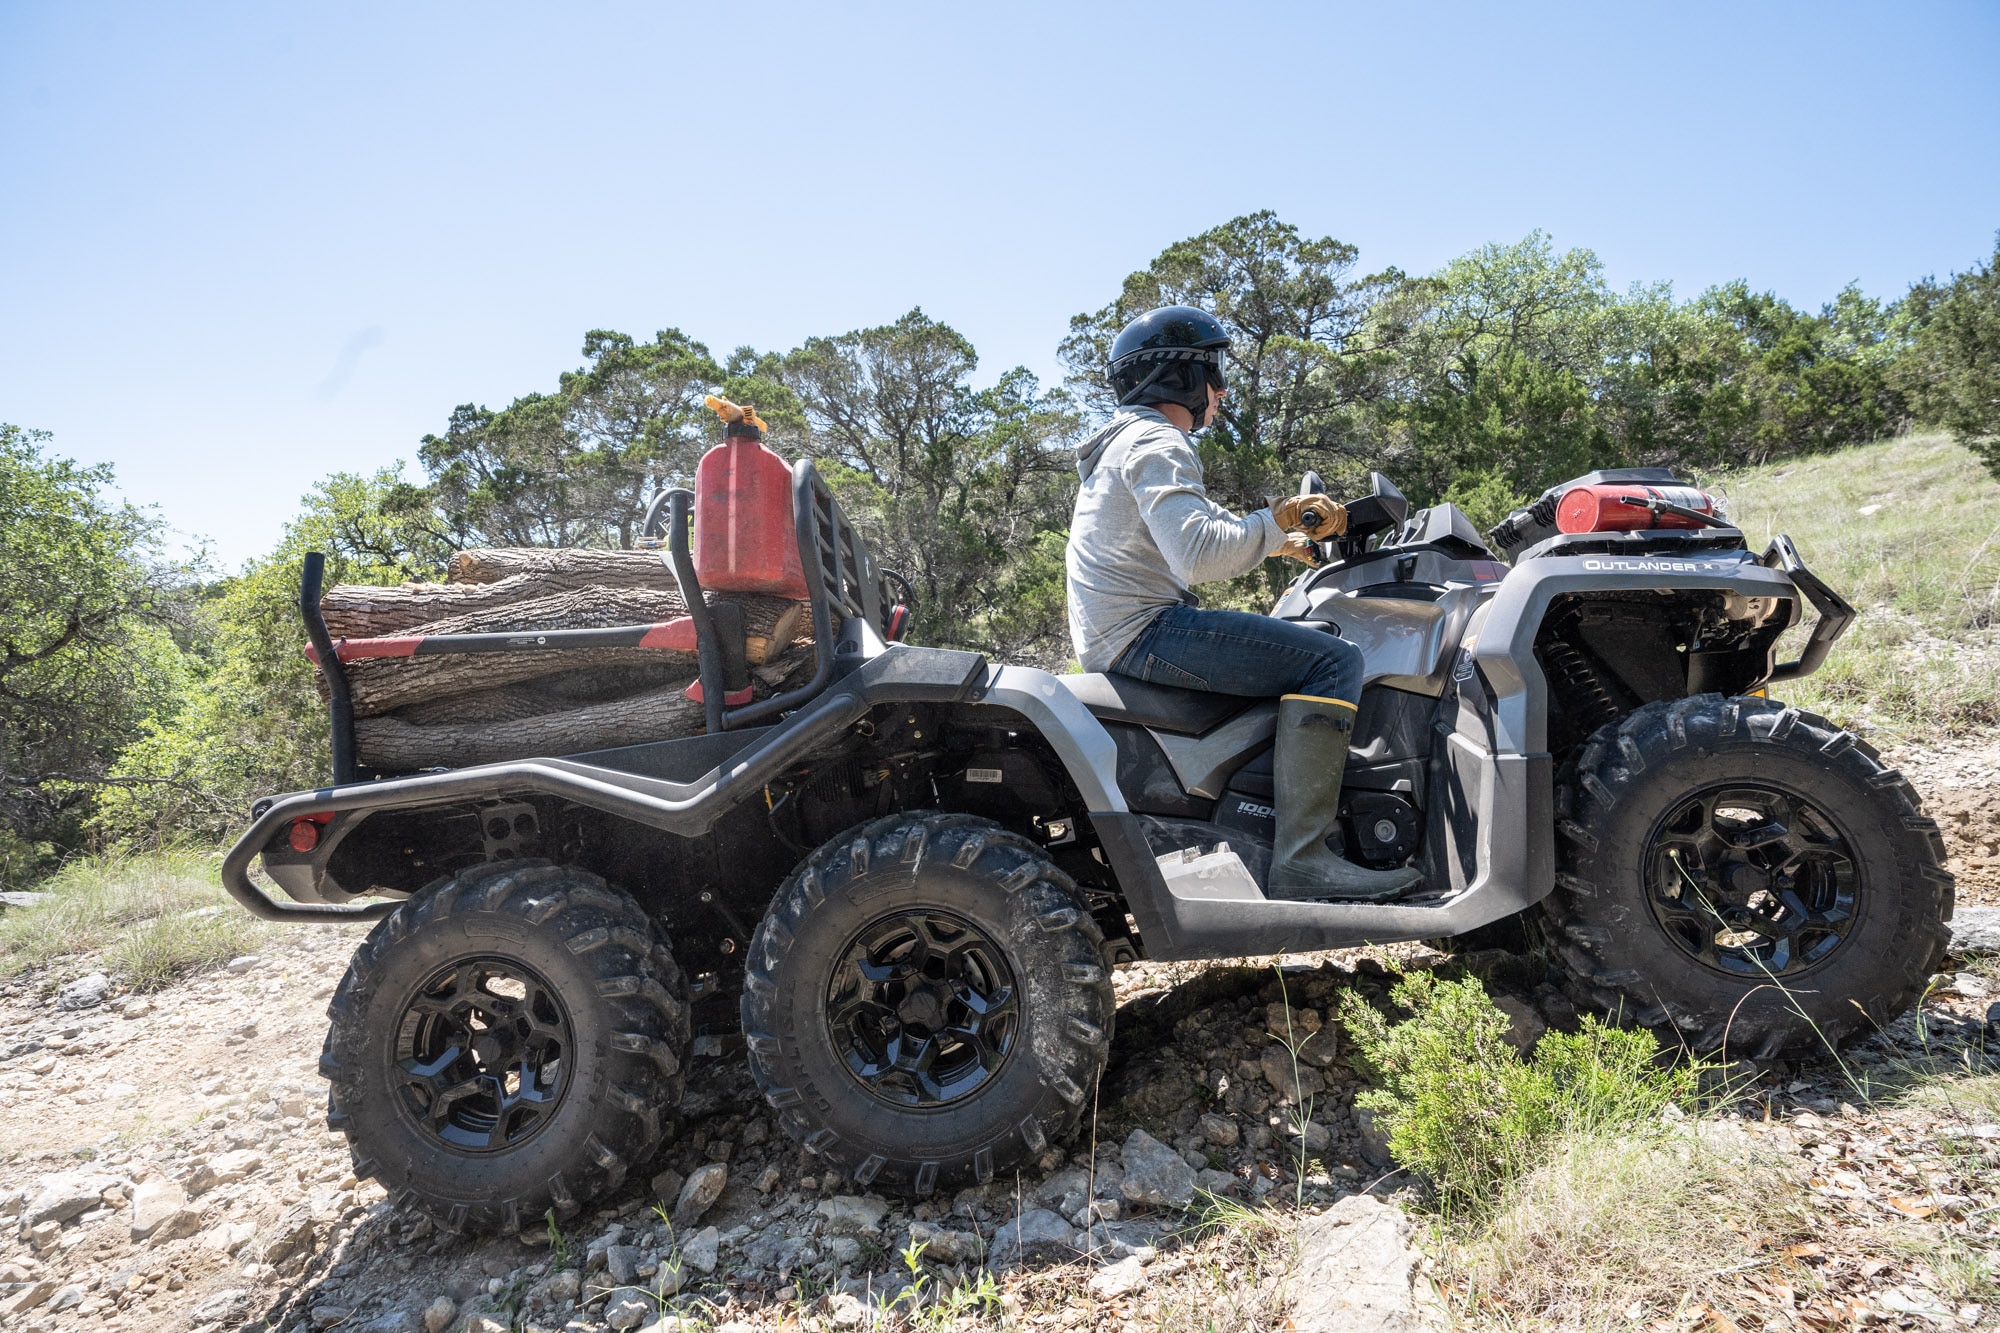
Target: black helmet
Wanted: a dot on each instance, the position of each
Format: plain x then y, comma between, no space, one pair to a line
1169,355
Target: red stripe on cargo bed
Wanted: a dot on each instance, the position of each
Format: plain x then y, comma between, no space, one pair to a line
677,635
352,650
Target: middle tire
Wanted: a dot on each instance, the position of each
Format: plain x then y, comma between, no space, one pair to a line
926,1002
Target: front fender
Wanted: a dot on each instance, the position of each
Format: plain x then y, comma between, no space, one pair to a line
1500,641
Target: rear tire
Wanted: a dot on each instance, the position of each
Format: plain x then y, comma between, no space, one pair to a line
865,990
1744,877
507,1043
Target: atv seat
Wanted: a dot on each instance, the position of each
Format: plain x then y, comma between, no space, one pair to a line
1116,698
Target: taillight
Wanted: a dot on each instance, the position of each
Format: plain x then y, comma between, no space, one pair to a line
1610,508
304,833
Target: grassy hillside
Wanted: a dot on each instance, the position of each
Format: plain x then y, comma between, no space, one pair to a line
1909,531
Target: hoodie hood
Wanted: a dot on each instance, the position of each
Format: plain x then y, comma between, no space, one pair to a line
1092,450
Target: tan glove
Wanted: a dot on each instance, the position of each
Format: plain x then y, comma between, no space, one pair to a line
1292,513
1297,546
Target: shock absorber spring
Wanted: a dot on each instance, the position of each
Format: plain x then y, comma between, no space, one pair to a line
1577,683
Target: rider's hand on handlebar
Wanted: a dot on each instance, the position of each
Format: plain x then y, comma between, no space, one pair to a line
1297,546
1319,517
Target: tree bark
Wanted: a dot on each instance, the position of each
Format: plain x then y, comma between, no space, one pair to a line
397,746
360,611
621,569
380,685
356,611
400,745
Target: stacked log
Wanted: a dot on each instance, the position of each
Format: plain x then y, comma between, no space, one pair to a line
455,709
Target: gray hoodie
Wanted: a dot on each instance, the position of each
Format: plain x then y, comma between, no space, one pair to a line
1145,531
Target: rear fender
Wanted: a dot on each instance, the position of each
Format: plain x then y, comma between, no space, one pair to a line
1500,641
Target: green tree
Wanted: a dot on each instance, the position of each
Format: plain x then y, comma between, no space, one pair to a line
576,467
89,614
1954,371
1504,358
249,718
953,484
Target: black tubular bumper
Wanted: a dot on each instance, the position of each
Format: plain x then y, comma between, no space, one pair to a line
1835,612
901,673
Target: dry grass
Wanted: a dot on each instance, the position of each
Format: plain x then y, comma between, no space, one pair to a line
153,917
1610,1229
1923,567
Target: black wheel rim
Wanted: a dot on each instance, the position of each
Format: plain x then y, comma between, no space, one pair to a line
483,1055
923,1009
1753,881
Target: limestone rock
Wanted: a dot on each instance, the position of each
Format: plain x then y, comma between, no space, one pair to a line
1220,1130
1356,1270
1119,1279
946,1246
699,1250
628,1310
1975,930
1215,1182
27,1298
226,1169
622,1262
1155,1174
853,1215
84,993
395,1321
667,1184
1524,1026
1035,1231
439,1314
1295,1081
219,1307
700,1192
155,1203
1374,1140
66,1195
293,1235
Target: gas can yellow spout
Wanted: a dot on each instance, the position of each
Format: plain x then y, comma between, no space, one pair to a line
734,415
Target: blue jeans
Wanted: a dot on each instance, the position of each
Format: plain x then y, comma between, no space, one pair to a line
1234,652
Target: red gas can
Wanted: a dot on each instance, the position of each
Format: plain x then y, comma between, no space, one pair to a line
744,537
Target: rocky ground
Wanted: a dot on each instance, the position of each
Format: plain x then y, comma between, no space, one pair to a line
163,1164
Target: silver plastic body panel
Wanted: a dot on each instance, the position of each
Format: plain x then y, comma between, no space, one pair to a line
1405,643
1078,738
1203,763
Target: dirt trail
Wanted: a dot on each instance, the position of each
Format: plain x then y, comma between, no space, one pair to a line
1960,782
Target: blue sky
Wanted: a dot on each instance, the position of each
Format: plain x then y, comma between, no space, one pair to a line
241,247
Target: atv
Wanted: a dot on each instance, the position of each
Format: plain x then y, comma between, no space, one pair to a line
1566,723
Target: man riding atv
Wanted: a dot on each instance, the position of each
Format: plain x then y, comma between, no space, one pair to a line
1144,530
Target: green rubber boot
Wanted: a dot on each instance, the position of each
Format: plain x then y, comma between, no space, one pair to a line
1310,761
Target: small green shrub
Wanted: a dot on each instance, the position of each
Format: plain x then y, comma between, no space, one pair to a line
1464,1108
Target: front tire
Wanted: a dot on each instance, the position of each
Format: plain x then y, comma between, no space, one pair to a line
507,1043
1744,877
926,1002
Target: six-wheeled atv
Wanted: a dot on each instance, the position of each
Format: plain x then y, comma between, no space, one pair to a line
944,858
